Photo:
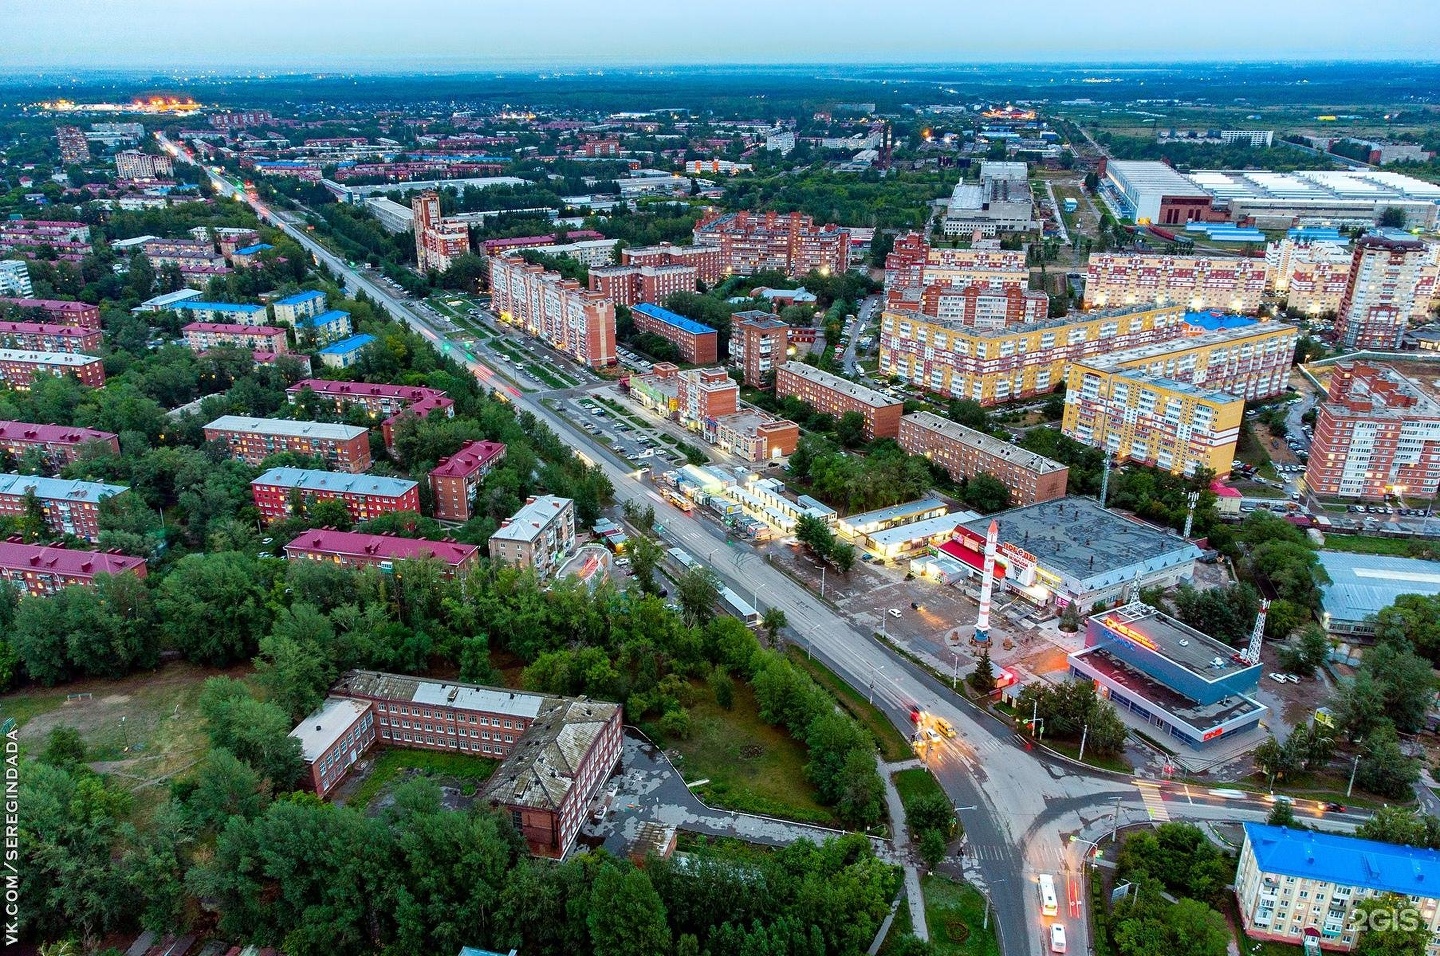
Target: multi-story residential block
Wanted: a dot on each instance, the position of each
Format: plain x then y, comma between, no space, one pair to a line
15,278
241,120
1193,282
574,320
964,452
1377,433
20,368
133,164
698,344
228,238
456,479
82,315
709,262
392,401
352,549
629,285
322,329
703,394
43,569
759,343
1310,276
836,396
541,535
233,312
200,336
74,148
557,752
293,308
60,444
754,436
1391,281
1247,357
185,253
545,243
70,507
1297,885
913,266
438,241
252,440
44,337
69,241
365,496
786,242
343,354
984,306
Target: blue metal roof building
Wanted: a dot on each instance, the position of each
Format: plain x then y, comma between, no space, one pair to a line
342,354
300,297
238,309
1361,585
1213,320
256,249
1344,860
670,318
327,326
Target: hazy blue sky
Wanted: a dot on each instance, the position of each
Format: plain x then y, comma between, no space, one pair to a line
304,35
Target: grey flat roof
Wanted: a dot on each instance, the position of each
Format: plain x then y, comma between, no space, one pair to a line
1173,639
319,731
925,528
450,694
903,510
287,427
987,444
1362,584
532,518
1199,716
867,395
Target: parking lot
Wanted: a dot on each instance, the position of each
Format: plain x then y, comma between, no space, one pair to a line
640,445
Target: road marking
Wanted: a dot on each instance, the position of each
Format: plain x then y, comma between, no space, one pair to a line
1150,794
1187,794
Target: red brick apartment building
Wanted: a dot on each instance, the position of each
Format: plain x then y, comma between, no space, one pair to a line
707,261
1377,433
45,337
629,285
437,240
455,480
983,306
1390,280
19,368
556,752
61,444
355,550
913,266
200,336
1229,283
703,394
364,496
392,401
759,343
572,319
964,452
698,344
70,507
42,569
836,396
82,315
252,440
787,242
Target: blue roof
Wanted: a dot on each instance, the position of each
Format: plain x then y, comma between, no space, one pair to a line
1316,234
1214,321
670,318
1362,584
324,318
299,297
352,344
251,250
1346,860
199,305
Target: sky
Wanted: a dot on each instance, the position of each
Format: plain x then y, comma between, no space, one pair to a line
463,35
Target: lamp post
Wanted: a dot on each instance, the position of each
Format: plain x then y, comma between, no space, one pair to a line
1353,770
873,668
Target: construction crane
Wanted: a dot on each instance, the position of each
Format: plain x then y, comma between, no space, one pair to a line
1252,652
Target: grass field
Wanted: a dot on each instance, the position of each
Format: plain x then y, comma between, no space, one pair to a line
751,766
389,763
1368,544
915,784
955,913
893,745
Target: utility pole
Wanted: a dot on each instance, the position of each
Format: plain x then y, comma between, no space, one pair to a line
1105,476
1353,771
954,669
1085,732
1034,715
1115,821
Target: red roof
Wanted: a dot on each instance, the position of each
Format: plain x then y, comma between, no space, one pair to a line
43,328
410,393
233,328
56,434
59,560
469,459
380,547
971,557
51,305
1223,490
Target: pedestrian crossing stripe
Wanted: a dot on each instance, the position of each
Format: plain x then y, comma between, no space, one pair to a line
1154,804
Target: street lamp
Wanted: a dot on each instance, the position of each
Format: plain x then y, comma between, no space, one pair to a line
1093,844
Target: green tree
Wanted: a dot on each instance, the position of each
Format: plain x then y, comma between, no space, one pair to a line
626,916
697,591
1401,826
1392,217
1384,769
645,556
330,513
1392,925
850,430
63,747
982,678
1283,815
258,732
985,493
223,788
932,847
773,621
213,607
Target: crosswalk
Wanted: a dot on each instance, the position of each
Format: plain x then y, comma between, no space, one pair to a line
1154,804
1047,855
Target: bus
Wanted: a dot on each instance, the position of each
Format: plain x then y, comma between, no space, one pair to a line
734,604
1048,906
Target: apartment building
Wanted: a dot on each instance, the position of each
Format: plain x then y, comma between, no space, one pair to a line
19,368
200,336
836,396
346,352
984,306
82,315
1193,282
69,507
1377,433
392,401
541,535
559,311
324,328
74,148
15,278
44,337
438,240
698,344
455,479
708,261
705,394
754,436
759,343
1234,353
43,569
352,549
1295,885
238,313
913,266
630,285
1392,280
70,241
60,444
293,308
332,738
786,242
545,243
365,496
133,164
252,440
185,253
1310,276
964,452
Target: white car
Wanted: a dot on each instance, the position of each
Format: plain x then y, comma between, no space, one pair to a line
894,612
931,735
1057,938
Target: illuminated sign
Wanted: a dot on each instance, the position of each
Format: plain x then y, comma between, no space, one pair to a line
1212,734
1124,630
1018,554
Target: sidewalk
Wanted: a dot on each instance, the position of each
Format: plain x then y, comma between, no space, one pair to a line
901,839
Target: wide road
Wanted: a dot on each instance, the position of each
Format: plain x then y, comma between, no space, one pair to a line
1019,806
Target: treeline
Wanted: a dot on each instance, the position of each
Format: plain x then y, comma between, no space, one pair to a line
900,200
1177,877
1186,156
